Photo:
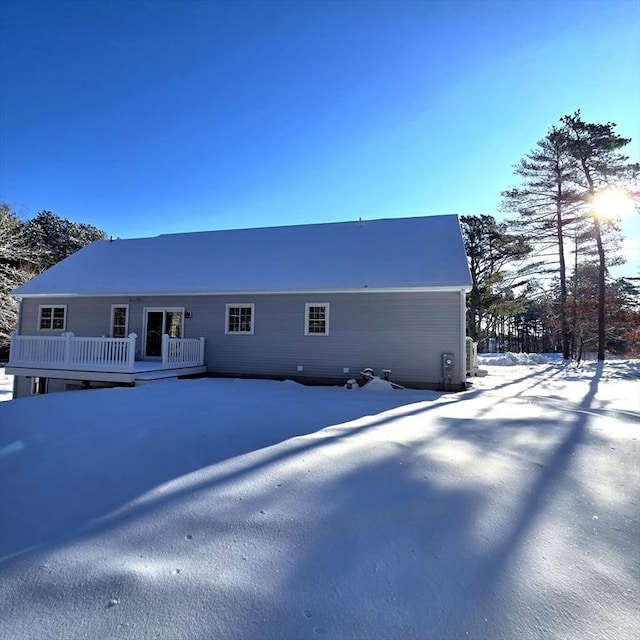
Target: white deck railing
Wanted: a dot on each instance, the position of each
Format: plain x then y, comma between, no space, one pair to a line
182,351
71,352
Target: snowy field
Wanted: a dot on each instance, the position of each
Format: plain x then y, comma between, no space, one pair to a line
246,510
6,385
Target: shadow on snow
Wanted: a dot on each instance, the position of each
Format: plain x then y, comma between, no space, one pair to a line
410,540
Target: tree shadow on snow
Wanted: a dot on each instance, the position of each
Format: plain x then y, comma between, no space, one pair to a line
411,559
65,473
72,474
400,548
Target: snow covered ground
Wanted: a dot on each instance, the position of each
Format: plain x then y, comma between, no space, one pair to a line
235,509
6,385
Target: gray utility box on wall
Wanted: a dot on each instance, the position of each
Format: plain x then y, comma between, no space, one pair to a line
447,370
447,365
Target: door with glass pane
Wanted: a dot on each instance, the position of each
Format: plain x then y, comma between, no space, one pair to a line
157,323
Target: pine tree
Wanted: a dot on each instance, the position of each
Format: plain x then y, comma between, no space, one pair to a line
16,265
26,249
545,204
595,149
54,238
560,179
490,248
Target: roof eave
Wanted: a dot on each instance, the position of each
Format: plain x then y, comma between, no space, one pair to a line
233,292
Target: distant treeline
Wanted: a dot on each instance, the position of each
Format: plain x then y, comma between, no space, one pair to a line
28,247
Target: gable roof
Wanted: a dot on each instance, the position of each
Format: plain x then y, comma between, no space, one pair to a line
398,253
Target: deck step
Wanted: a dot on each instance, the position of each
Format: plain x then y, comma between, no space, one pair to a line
155,375
164,374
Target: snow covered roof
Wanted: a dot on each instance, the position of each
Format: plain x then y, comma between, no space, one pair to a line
399,253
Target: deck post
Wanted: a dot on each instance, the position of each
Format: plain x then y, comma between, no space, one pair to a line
165,348
131,355
201,351
13,346
68,335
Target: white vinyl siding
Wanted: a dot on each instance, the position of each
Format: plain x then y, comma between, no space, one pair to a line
52,318
240,318
316,319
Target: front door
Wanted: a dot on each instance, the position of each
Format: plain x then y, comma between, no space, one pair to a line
159,322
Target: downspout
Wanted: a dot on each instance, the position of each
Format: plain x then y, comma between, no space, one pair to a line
463,340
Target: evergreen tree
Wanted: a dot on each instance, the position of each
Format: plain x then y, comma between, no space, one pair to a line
26,249
16,266
54,238
560,178
490,248
545,204
600,165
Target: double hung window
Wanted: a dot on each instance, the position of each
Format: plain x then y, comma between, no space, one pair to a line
119,320
316,319
240,318
52,318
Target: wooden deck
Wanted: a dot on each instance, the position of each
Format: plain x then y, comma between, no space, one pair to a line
101,359
141,372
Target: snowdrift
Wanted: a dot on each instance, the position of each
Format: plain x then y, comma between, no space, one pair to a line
510,359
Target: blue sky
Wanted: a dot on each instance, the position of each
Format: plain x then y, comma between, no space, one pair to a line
148,117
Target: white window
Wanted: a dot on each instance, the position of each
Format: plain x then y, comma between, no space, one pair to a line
316,321
39,386
240,318
52,318
119,320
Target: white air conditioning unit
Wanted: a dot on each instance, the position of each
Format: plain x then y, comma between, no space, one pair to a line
472,357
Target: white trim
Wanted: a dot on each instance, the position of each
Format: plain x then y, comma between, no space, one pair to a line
463,337
222,292
145,310
327,308
239,305
103,376
126,324
52,307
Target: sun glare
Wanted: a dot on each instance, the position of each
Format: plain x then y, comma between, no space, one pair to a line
613,203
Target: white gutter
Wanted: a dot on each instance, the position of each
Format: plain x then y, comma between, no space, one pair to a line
463,339
243,292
